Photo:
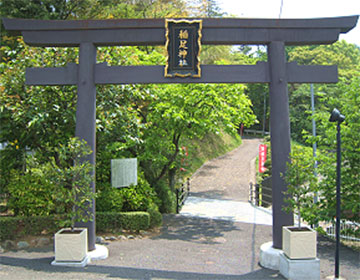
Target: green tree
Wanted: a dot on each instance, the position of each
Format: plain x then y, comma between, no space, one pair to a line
349,105
33,117
71,177
189,111
36,9
343,54
44,9
302,184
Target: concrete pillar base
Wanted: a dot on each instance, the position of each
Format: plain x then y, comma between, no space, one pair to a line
100,253
269,256
299,269
83,263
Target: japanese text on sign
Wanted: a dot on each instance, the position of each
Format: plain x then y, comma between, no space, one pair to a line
262,157
183,36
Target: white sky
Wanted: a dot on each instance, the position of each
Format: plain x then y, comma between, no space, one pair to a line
296,9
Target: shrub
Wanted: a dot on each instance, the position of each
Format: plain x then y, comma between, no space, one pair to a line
167,202
31,194
109,221
16,227
155,215
139,197
109,200
54,187
132,198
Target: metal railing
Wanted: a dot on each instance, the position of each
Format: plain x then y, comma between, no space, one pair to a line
261,195
254,194
347,231
255,132
181,194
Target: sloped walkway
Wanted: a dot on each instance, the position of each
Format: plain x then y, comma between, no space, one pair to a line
228,176
220,188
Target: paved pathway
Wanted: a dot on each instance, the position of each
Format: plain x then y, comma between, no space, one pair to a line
220,188
230,210
228,176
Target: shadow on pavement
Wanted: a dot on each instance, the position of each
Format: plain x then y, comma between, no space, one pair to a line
194,229
207,170
211,194
349,259
43,264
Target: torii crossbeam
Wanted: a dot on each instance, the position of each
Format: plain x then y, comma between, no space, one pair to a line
275,33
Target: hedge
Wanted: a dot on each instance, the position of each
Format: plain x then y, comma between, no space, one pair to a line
110,221
16,227
12,228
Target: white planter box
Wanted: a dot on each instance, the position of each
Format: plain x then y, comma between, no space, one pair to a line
71,246
299,244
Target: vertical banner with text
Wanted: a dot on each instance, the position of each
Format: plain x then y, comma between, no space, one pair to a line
262,157
183,45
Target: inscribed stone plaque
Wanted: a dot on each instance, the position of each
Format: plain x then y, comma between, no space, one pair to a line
183,45
123,172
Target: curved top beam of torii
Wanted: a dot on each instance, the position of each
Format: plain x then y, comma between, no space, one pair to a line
227,31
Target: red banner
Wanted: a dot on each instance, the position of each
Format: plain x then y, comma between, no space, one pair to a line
262,158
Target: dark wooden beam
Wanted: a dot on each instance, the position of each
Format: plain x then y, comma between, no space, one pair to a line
263,36
52,76
311,73
155,74
225,31
258,73
111,37
17,25
156,36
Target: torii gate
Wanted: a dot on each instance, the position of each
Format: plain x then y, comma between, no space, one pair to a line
275,33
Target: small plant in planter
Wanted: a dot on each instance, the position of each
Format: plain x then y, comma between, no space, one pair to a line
300,242
72,176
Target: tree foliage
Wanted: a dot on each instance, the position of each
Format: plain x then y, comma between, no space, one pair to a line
300,175
145,121
349,105
301,184
55,186
341,53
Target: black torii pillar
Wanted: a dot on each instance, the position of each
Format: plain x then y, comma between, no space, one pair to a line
275,33
86,119
280,136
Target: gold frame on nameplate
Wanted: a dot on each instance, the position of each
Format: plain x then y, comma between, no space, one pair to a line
197,67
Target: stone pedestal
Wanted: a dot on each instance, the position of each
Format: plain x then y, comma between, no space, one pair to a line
269,256
298,269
